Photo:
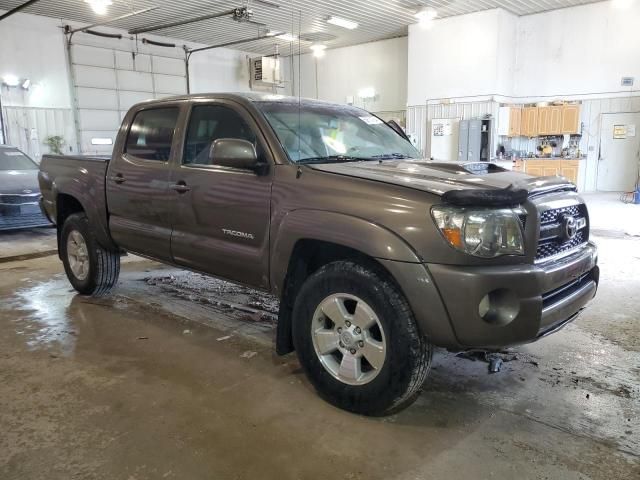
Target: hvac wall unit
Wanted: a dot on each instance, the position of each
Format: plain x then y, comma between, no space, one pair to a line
265,71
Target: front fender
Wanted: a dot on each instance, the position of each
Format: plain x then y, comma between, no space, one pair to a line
359,234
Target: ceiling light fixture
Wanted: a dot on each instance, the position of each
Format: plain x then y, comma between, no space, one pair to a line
99,6
287,37
426,16
318,50
342,22
11,80
622,4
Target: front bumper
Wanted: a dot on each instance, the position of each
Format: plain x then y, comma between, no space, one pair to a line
17,216
529,301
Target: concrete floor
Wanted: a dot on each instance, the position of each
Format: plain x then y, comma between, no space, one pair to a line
174,376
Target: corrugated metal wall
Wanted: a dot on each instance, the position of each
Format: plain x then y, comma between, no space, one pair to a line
419,118
28,127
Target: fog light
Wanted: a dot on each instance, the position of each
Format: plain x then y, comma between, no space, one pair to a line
499,307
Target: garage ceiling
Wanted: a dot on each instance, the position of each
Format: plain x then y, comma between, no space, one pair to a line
378,19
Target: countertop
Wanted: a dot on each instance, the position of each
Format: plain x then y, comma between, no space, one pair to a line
583,157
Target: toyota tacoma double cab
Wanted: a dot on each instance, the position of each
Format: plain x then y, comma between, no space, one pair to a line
376,254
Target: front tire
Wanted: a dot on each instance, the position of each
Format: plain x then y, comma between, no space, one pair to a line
91,269
357,339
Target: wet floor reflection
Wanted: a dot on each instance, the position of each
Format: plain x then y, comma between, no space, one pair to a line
42,314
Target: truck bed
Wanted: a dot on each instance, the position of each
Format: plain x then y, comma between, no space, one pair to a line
81,177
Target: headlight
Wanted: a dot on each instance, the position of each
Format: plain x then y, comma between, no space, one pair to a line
482,232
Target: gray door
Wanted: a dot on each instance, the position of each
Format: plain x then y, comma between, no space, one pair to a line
619,152
221,215
475,141
138,184
463,141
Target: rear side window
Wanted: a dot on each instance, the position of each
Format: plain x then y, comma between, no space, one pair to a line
208,123
151,134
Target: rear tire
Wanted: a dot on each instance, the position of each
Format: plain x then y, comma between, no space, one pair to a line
366,355
91,269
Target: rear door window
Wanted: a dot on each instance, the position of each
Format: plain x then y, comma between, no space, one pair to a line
151,134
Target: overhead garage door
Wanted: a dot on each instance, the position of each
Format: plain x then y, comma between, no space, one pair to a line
108,81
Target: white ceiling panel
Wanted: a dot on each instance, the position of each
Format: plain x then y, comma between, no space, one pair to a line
378,19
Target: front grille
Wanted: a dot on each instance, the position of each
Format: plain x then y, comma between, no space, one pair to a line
560,293
551,216
15,199
551,242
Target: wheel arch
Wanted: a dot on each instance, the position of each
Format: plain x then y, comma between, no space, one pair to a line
304,245
71,197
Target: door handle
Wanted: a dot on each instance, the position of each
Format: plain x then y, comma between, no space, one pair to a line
180,187
118,178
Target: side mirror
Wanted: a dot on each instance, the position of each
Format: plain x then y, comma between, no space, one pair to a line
235,153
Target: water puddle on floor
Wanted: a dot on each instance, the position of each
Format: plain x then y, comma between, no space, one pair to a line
42,315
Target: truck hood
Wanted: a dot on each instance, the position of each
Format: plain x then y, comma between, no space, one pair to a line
440,177
19,182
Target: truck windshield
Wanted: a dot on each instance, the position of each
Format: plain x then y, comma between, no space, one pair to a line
14,159
320,133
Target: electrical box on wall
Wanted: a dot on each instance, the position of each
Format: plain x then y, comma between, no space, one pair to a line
265,71
627,81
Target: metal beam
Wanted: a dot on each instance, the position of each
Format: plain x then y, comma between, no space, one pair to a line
136,31
109,20
236,42
17,9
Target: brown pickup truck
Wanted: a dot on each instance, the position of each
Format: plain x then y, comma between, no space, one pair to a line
376,255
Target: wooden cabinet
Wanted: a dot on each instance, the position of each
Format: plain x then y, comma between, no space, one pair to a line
509,121
550,120
542,167
570,119
555,120
529,122
539,121
569,169
544,121
515,121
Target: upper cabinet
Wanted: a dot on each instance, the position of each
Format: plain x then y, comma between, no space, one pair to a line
529,122
509,121
539,121
544,120
555,119
570,119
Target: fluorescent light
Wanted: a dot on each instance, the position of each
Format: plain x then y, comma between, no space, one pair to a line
366,93
342,22
101,141
26,84
621,4
99,6
287,37
318,50
11,80
427,13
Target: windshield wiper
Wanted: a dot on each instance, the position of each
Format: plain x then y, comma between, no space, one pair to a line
391,156
334,159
